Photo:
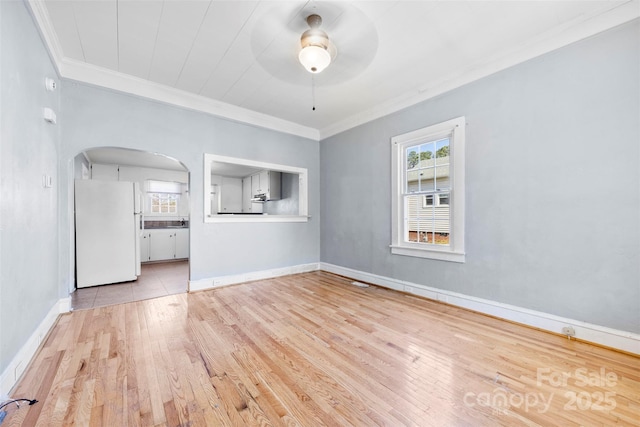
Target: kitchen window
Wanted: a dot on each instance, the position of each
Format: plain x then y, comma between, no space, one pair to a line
164,203
428,192
163,196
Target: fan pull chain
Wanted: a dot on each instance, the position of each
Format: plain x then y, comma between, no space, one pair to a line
313,92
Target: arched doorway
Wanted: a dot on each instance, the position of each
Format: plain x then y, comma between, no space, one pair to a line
159,228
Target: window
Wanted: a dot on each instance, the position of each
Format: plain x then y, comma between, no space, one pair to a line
428,192
163,196
437,199
164,203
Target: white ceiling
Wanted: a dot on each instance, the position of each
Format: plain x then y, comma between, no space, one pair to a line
238,59
233,170
128,157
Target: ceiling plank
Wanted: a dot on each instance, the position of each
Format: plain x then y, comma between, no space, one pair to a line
220,28
138,23
97,28
64,21
179,26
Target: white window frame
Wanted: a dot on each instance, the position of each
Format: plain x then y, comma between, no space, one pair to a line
165,199
455,129
436,200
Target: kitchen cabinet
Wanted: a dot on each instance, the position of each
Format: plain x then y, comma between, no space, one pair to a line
264,182
144,246
268,183
164,244
230,195
246,194
182,243
255,184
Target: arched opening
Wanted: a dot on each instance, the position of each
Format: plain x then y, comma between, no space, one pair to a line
130,225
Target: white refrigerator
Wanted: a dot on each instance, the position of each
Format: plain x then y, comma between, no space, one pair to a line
107,223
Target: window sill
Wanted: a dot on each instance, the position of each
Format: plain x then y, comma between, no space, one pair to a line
255,218
428,253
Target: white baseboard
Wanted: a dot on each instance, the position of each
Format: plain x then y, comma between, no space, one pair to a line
20,362
64,305
216,282
622,340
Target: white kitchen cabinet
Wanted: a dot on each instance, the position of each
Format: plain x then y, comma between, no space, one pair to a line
182,243
246,195
231,195
162,244
264,182
144,246
256,207
255,184
268,183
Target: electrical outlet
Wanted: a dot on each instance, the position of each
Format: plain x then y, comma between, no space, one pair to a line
569,331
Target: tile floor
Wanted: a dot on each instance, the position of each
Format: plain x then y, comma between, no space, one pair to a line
156,280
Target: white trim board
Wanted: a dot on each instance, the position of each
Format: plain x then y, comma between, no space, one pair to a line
16,368
234,279
621,340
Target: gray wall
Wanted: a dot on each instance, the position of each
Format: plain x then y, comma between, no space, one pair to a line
96,117
552,186
28,212
289,200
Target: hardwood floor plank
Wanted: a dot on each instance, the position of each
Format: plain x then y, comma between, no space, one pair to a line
314,350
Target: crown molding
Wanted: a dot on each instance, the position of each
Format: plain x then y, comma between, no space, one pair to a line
567,34
99,76
40,14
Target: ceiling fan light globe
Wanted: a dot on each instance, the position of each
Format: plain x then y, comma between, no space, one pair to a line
314,58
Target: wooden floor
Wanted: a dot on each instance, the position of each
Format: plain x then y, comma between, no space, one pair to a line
314,350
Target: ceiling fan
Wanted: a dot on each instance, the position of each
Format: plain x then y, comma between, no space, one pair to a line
287,34
317,50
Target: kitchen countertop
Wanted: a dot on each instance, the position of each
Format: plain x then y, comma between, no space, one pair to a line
241,213
165,227
154,225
